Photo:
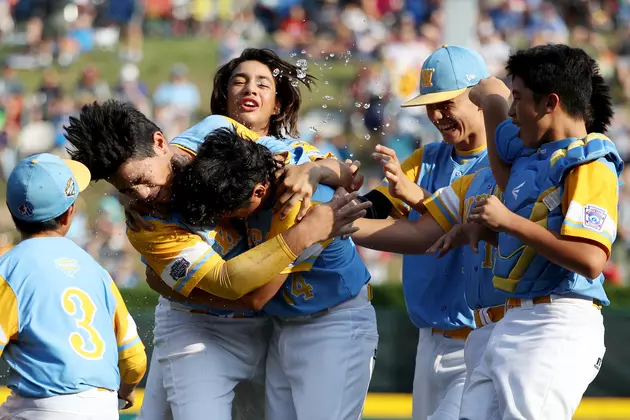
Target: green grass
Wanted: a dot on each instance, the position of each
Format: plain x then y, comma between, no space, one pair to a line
201,57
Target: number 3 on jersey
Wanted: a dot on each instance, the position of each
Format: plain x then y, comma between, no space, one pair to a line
76,303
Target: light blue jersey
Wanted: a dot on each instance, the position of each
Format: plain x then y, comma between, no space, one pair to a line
570,187
325,274
63,323
435,288
191,139
452,205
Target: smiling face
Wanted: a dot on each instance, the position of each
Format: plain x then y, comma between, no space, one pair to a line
251,96
457,119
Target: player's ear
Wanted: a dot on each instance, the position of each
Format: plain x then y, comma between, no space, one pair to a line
259,191
160,145
66,218
553,101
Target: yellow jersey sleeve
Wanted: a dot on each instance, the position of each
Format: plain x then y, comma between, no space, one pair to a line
446,205
132,359
9,324
184,260
411,168
181,257
311,151
590,202
304,261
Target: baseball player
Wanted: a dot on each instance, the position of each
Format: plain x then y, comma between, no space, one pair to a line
556,224
435,289
64,329
174,251
324,337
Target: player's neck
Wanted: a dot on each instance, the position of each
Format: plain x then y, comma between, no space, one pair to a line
472,143
46,234
565,128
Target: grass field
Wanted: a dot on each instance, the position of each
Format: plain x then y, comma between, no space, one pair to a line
398,406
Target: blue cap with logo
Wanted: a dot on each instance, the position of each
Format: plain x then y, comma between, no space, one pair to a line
447,73
42,187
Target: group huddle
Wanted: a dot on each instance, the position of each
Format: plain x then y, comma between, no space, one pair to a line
249,236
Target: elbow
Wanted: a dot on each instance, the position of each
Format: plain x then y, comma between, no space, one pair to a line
592,267
257,304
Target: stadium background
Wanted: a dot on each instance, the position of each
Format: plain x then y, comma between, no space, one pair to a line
162,54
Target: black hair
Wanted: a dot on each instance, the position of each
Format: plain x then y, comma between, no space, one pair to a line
33,228
221,178
570,73
104,136
286,76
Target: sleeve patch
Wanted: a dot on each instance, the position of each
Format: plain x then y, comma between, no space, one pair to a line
594,217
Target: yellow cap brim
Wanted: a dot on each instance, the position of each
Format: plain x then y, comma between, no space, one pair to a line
433,98
81,173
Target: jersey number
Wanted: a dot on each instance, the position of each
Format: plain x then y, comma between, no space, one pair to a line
299,288
78,304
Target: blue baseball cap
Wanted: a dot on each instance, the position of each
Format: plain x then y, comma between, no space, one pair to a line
42,187
447,73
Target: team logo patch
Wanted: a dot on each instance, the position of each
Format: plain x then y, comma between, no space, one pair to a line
426,78
26,210
594,217
179,268
71,188
68,266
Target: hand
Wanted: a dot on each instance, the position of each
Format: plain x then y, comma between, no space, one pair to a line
490,86
357,178
493,214
134,211
335,217
399,184
298,182
127,393
460,235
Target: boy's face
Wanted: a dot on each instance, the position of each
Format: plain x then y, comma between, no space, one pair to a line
456,119
528,114
147,179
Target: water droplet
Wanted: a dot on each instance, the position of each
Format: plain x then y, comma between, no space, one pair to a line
314,130
357,104
332,54
380,96
375,129
294,83
302,63
326,82
351,154
367,136
366,106
328,98
276,72
292,55
303,51
324,106
387,125
300,74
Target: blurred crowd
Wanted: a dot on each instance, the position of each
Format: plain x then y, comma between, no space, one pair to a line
386,40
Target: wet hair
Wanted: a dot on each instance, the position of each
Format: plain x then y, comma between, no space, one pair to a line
287,77
222,177
104,136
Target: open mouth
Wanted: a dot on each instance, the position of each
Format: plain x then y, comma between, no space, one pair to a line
447,127
249,105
